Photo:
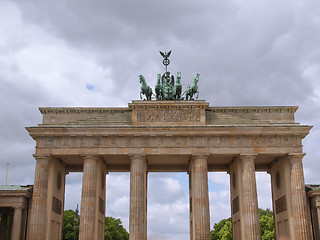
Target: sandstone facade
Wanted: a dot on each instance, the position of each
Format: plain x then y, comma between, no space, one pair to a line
185,136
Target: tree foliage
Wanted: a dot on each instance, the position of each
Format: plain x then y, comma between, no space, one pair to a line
69,225
266,224
223,229
114,230
113,227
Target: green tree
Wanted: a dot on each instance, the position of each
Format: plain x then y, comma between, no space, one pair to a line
223,229
266,224
114,229
69,224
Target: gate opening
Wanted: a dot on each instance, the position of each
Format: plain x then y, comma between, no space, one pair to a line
168,206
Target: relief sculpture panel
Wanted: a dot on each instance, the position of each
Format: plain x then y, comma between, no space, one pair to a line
177,115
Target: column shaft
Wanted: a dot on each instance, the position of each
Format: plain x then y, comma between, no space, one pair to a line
88,199
301,220
138,197
37,226
16,227
190,206
249,198
200,198
317,223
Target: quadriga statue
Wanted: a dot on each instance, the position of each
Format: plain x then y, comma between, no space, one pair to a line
166,88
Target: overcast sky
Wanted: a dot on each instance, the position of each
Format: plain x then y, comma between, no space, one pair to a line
90,53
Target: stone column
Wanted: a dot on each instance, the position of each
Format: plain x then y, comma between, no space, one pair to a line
90,200
37,225
200,214
314,196
16,227
190,206
316,224
301,218
250,213
138,198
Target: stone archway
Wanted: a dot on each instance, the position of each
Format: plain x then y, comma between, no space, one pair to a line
186,136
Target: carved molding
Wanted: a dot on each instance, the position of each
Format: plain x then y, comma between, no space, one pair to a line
170,141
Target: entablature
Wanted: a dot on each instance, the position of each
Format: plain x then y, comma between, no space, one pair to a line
159,140
168,113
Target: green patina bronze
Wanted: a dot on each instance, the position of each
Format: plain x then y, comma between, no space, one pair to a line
166,87
145,89
193,89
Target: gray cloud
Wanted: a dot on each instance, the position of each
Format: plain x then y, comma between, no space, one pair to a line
247,53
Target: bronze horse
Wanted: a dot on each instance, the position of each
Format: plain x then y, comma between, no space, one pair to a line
145,89
193,89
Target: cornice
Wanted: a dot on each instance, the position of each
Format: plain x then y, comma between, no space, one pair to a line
70,110
257,109
246,109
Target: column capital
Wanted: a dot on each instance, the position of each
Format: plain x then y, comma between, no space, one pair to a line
42,157
296,158
134,158
249,156
314,195
89,156
18,207
138,156
296,155
197,156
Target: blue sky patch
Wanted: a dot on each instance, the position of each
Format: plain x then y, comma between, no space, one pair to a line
90,87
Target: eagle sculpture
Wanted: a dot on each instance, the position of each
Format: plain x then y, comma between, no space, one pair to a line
166,54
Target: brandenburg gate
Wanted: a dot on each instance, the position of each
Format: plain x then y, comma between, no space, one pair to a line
177,136
170,134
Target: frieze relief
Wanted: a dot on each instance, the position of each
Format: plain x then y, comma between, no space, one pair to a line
82,142
66,142
48,142
170,115
169,141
